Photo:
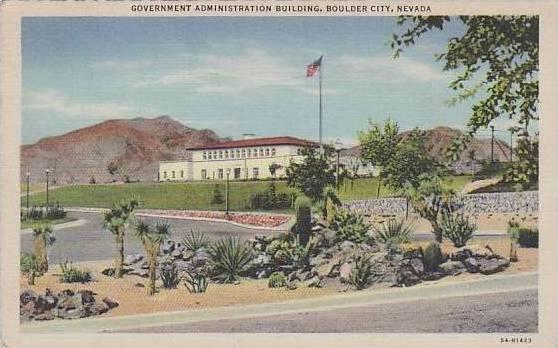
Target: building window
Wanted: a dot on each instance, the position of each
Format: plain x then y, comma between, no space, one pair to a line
255,152
173,174
209,155
298,151
204,155
273,152
165,174
232,153
237,173
204,174
181,173
243,153
220,154
214,154
261,152
237,153
220,174
267,152
255,172
249,153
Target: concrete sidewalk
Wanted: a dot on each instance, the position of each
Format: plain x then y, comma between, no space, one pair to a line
76,223
441,289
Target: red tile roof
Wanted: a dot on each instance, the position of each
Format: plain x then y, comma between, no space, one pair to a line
257,142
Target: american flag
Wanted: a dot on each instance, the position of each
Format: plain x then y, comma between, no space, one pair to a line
314,67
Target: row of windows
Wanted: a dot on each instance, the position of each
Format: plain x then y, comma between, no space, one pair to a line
240,153
173,174
235,173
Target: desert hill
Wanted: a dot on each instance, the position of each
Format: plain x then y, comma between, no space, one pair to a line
134,146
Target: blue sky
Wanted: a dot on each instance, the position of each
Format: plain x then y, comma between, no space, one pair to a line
232,75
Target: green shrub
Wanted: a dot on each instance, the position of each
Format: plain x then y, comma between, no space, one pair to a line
513,230
169,275
303,206
72,274
270,199
331,202
196,282
55,212
361,272
393,231
432,256
298,254
528,238
195,240
351,227
217,195
457,228
29,265
229,258
277,280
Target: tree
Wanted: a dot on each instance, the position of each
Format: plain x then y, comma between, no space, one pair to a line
313,175
497,57
112,168
151,240
273,168
116,221
378,146
43,237
217,195
431,200
351,168
472,158
524,172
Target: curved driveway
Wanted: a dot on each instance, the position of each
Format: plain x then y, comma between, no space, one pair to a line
90,241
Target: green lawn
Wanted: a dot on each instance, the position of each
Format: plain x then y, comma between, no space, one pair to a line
195,195
29,224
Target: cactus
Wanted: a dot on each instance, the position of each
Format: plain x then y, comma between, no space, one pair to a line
277,280
432,256
303,219
331,202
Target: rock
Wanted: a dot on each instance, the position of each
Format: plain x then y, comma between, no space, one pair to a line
432,275
187,255
471,264
468,251
44,316
345,272
132,259
139,285
347,245
292,285
109,272
87,296
176,254
261,260
200,259
110,302
144,273
74,313
417,266
65,293
317,261
406,276
490,266
45,303
326,269
452,267
98,308
313,282
167,247
317,228
28,296
183,266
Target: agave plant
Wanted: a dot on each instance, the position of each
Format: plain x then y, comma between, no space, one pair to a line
361,272
195,240
196,282
393,231
229,258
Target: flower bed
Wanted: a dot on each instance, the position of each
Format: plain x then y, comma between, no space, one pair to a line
264,220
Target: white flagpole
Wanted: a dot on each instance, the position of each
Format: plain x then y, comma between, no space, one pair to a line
321,107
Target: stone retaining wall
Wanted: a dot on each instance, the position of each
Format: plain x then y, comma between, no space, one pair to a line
478,203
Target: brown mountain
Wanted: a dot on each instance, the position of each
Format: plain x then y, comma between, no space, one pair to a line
438,140
134,146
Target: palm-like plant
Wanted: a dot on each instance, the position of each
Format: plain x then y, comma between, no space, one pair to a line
229,257
195,240
30,266
43,237
116,221
152,240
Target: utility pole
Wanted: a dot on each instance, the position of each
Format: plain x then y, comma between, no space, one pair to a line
492,145
511,145
27,196
47,172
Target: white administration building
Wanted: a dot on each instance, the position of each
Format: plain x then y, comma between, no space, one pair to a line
242,159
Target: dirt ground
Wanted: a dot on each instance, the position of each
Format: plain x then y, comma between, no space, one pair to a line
134,300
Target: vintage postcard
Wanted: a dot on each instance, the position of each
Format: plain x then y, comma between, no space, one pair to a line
277,173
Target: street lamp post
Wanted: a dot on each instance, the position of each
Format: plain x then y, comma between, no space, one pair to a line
338,148
47,202
492,145
27,175
511,145
227,193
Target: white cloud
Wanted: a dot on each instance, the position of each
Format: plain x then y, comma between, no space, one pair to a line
55,101
252,70
120,64
389,69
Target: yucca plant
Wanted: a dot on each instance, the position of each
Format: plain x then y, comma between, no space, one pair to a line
349,226
43,236
72,274
298,254
394,231
30,266
169,275
195,240
361,272
152,240
196,282
229,258
116,221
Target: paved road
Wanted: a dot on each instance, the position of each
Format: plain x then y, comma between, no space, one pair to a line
90,242
499,312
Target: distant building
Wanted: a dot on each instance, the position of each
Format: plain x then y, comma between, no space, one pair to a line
349,159
250,158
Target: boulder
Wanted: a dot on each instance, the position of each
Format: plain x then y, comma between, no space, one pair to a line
417,266
494,265
187,255
167,247
452,267
132,259
176,254
346,245
200,259
326,269
44,316
465,252
313,282
28,296
111,303
98,308
87,296
471,264
292,285
144,273
429,276
345,272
